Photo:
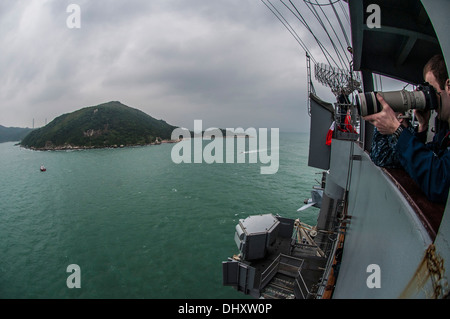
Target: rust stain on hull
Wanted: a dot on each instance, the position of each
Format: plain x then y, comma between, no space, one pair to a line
431,269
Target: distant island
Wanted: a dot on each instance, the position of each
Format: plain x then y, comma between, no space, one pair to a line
111,124
13,134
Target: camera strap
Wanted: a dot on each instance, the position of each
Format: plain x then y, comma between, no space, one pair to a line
445,143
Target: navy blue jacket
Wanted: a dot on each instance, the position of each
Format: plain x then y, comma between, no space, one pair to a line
383,151
427,164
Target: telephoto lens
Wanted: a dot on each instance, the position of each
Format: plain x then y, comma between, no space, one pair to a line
424,98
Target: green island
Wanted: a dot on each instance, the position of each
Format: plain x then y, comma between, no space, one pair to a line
13,134
106,125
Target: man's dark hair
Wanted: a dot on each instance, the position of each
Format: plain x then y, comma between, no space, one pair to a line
437,66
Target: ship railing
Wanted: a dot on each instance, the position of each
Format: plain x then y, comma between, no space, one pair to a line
329,266
325,249
284,264
321,248
301,290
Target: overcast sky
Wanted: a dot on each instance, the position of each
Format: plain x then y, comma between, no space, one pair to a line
230,63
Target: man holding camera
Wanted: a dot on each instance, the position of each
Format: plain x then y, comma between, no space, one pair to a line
427,164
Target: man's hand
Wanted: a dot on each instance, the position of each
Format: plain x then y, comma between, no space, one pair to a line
422,117
385,121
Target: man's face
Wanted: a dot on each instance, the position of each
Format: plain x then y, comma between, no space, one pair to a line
444,110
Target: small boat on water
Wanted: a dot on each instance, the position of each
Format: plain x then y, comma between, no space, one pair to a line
43,169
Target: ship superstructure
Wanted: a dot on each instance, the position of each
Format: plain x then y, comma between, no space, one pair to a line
377,235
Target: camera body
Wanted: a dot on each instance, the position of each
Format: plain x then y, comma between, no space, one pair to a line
423,99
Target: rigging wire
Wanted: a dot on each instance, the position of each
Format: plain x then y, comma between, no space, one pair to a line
341,54
340,57
344,62
344,12
299,16
291,30
322,4
338,74
341,25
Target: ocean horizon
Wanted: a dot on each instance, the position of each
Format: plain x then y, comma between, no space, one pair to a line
136,224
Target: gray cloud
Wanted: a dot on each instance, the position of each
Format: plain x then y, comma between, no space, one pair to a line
228,62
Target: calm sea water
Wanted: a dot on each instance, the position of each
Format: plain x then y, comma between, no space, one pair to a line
137,224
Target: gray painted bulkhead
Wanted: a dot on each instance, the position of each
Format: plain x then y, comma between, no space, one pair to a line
384,230
322,115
